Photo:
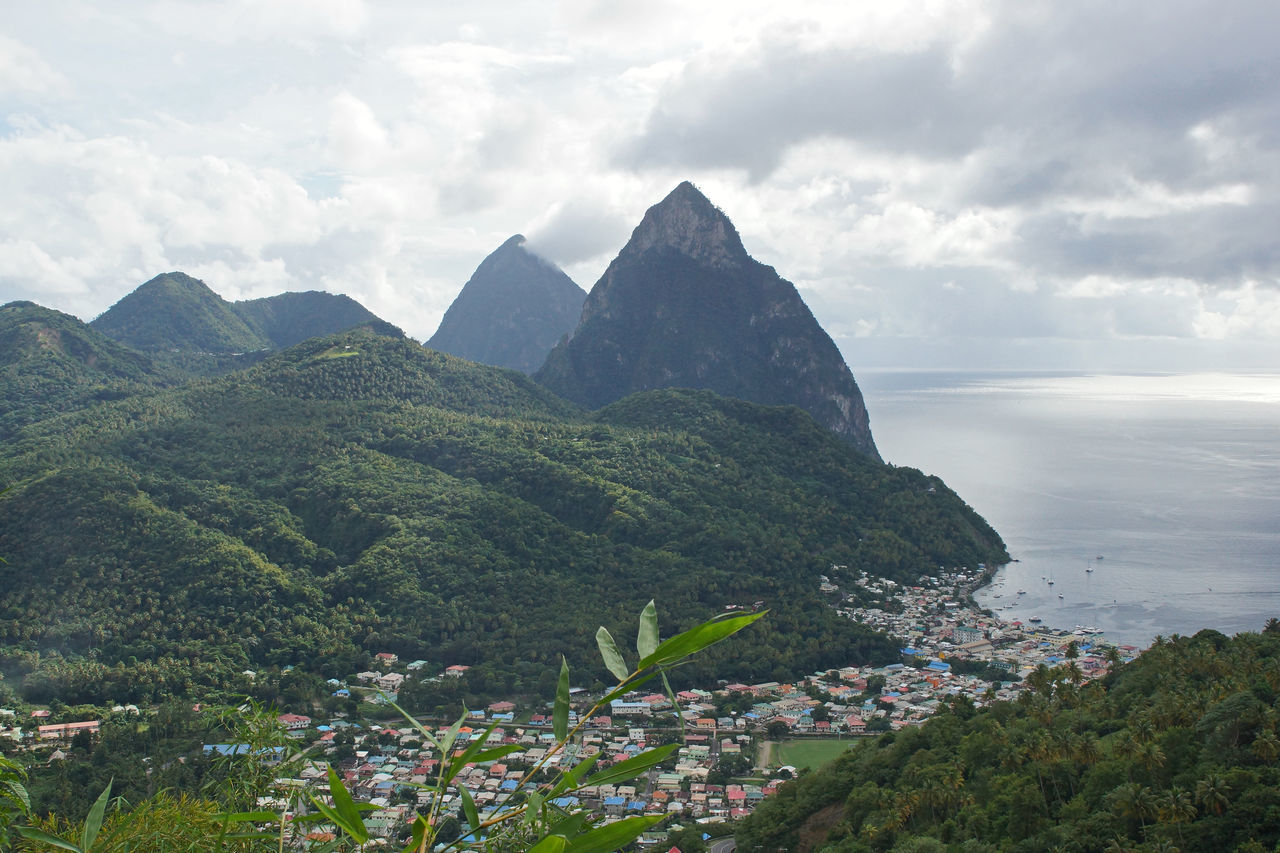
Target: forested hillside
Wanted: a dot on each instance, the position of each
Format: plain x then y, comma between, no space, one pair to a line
360,493
1177,750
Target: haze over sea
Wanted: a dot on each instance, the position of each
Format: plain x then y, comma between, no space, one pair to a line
1172,479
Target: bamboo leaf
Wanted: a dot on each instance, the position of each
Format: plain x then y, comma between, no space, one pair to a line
469,808
696,639
572,778
551,844
674,704
417,842
613,659
418,727
496,753
451,736
346,809
627,687
634,766
532,808
560,716
612,836
647,637
471,752
93,821
45,838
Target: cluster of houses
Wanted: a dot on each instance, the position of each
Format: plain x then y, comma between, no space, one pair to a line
390,767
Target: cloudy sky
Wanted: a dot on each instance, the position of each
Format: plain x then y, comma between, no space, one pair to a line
953,183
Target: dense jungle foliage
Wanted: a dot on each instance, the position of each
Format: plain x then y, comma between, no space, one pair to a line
1175,751
361,493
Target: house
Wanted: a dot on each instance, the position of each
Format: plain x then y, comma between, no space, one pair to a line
294,722
67,730
456,671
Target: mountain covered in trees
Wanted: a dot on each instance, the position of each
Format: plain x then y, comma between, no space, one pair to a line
512,311
51,362
684,305
1178,750
180,321
361,493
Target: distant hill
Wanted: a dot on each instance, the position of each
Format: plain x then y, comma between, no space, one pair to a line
684,305
179,321
291,318
512,311
175,312
360,493
51,362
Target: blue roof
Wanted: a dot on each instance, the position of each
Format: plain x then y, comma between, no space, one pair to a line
614,801
510,784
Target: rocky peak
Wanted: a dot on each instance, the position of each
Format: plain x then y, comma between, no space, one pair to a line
689,223
512,311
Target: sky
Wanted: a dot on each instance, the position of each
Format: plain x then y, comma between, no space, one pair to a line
962,183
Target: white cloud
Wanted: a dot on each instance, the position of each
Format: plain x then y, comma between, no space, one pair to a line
984,168
23,71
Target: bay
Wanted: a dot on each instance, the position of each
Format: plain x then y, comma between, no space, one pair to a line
1151,501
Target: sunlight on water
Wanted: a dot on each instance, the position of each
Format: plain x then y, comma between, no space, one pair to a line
1172,480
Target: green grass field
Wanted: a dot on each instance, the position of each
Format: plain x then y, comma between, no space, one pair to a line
811,753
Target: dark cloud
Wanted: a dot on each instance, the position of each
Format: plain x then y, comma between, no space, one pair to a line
747,116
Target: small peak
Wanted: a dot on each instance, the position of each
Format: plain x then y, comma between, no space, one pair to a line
515,241
688,222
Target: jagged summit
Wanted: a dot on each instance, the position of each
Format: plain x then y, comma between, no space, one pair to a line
512,311
687,222
684,305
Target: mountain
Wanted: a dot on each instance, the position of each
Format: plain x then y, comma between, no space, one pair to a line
179,321
174,311
360,493
291,318
512,311
51,362
684,305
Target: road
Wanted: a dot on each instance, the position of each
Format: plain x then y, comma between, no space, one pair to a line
722,845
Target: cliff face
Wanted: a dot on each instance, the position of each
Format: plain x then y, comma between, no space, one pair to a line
684,305
512,310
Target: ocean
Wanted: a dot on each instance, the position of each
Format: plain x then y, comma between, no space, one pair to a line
1152,502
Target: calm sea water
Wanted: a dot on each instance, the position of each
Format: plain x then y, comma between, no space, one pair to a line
1166,486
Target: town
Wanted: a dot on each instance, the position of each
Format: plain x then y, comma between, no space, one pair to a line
732,737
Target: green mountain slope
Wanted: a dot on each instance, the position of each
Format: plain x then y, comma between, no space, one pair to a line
176,312
290,318
51,362
361,493
1177,750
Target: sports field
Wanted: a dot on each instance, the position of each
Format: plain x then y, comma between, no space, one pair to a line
810,752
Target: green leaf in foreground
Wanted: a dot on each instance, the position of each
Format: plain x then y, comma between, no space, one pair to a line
696,639
613,659
560,716
647,636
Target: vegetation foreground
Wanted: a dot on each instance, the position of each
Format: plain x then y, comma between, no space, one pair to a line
1175,751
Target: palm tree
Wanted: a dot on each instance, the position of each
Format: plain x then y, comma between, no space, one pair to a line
1136,802
1178,808
1267,747
1212,793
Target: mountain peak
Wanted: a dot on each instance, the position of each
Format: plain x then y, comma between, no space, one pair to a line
686,221
684,306
512,311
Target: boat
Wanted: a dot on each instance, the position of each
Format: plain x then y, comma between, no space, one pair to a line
1050,583
1022,592
1036,620
1059,595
